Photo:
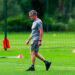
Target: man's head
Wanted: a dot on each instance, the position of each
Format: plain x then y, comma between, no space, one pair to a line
33,15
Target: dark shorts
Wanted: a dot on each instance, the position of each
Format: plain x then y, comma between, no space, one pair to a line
34,45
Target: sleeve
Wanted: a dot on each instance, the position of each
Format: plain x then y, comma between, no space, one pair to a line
40,25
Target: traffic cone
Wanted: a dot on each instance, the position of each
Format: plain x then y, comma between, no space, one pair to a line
20,56
73,51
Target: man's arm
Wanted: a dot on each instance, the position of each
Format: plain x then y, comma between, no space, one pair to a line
27,42
30,37
41,33
40,37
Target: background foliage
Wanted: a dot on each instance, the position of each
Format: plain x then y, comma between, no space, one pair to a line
60,15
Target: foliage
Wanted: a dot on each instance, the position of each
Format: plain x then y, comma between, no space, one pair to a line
71,24
18,24
56,15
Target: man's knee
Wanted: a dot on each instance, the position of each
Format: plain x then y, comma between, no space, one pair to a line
32,52
36,54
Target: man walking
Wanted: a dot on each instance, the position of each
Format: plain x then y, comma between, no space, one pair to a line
36,36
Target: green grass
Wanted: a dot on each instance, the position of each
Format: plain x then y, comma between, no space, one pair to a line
57,49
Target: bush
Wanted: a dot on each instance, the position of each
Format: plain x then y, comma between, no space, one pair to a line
18,24
53,24
58,26
23,23
71,24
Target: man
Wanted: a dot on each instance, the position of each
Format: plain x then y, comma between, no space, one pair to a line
36,36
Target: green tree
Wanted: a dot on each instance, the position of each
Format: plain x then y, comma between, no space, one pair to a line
1,9
13,8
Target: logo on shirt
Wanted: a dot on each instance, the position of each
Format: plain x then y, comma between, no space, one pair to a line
34,25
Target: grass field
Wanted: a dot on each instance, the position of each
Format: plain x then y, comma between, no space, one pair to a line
56,47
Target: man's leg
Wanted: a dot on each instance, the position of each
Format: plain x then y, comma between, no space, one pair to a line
32,57
47,64
40,56
32,52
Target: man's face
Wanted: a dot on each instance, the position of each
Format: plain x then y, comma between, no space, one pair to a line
32,17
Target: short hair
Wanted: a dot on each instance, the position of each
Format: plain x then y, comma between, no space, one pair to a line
33,12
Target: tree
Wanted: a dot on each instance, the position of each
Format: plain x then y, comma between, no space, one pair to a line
39,6
13,8
1,9
61,8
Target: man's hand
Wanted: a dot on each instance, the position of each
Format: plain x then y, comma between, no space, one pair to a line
39,43
27,42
